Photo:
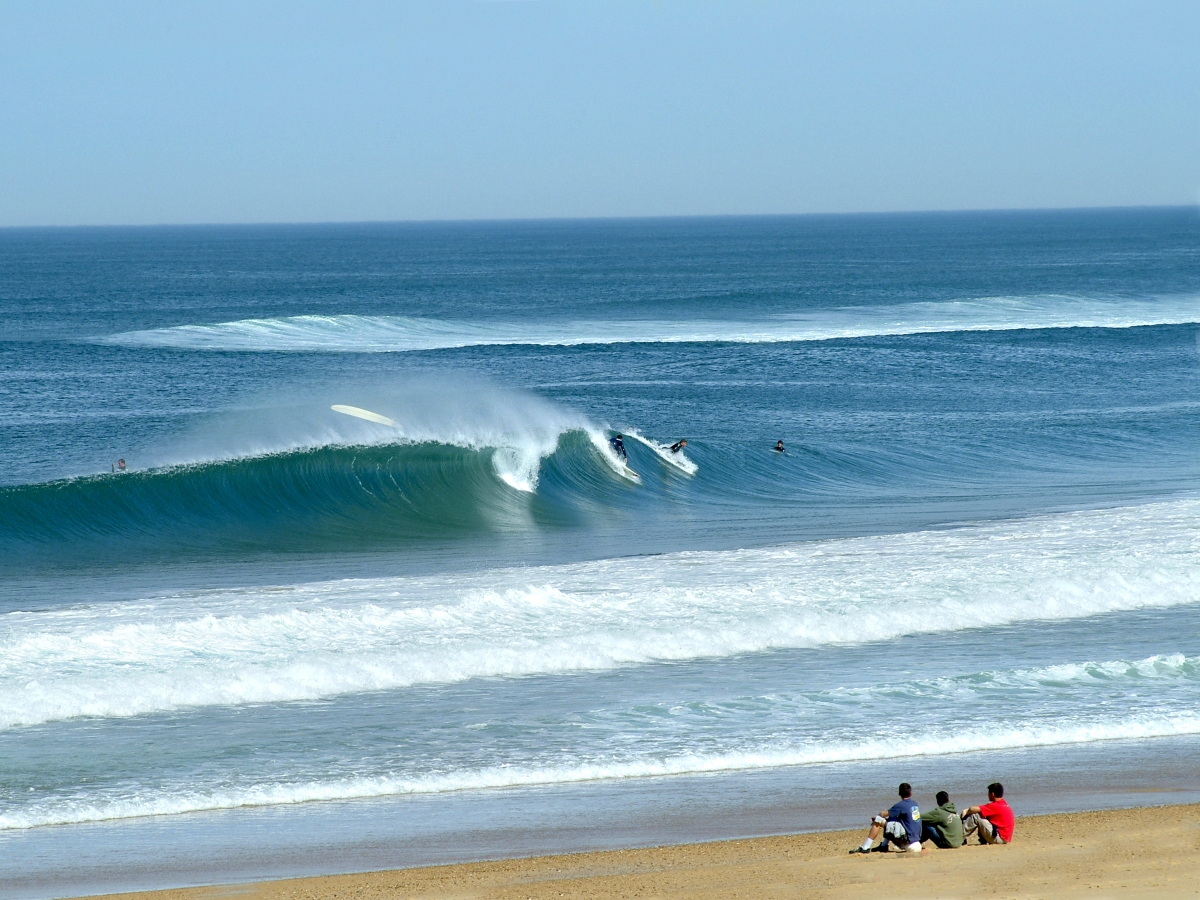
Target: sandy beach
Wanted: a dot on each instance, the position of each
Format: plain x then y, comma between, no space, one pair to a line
1143,852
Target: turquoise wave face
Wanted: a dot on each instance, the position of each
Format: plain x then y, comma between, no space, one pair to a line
326,498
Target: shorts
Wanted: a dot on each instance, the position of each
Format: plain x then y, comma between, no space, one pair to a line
987,831
896,833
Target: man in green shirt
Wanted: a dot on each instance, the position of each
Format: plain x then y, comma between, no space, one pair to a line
942,825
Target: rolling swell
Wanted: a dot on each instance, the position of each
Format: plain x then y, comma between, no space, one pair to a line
323,498
404,334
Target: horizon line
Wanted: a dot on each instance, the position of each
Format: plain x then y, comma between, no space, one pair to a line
580,219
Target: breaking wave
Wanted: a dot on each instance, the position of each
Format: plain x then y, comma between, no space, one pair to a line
322,498
467,458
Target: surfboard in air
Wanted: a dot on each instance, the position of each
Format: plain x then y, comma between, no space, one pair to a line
360,413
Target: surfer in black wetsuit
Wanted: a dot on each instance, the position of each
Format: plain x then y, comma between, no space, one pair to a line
779,447
679,445
618,446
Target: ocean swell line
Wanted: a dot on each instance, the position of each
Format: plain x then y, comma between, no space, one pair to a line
399,334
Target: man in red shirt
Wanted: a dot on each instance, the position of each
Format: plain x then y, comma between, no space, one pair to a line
994,820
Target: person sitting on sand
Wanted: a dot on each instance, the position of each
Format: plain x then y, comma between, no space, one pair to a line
899,825
994,820
679,445
942,824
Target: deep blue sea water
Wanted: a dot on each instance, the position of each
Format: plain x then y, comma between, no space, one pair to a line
982,537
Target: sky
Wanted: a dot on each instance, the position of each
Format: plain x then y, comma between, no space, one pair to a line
206,112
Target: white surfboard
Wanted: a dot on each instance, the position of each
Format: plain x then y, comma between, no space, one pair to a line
359,413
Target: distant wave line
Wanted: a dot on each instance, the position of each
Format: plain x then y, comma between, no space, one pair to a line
399,334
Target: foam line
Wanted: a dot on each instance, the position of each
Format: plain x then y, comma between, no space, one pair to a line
397,334
929,743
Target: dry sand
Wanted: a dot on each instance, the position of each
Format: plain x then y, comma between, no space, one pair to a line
1145,852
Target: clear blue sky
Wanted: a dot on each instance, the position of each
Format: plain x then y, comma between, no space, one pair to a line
122,112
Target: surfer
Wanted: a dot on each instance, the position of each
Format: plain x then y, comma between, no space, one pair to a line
618,445
120,466
779,447
679,445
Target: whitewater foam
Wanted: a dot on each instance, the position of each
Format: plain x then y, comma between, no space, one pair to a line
322,639
932,742
392,334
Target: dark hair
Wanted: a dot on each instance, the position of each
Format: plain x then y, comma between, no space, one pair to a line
905,790
996,789
942,797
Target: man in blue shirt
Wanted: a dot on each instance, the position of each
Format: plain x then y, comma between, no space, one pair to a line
900,825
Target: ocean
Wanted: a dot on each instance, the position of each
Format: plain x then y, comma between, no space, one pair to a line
475,633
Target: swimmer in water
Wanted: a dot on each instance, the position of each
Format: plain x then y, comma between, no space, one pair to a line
120,466
679,445
779,447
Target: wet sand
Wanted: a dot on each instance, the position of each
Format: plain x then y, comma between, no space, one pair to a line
1143,852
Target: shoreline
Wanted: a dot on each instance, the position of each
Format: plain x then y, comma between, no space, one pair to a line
266,844
1147,851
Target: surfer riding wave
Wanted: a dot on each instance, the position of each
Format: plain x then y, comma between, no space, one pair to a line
618,445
